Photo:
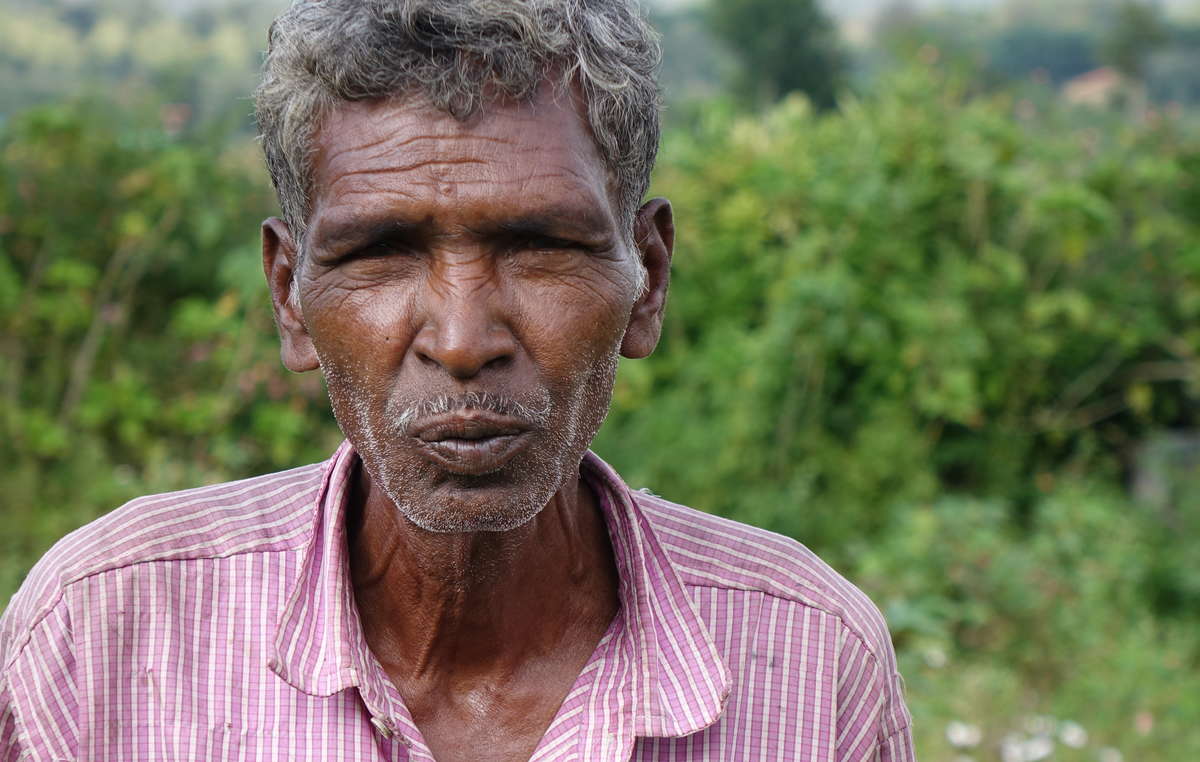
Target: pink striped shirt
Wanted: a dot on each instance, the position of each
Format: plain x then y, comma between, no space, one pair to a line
219,624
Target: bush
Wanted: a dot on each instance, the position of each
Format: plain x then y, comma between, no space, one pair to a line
920,295
999,627
139,353
932,336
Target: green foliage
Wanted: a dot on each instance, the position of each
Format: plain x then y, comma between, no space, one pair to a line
1054,616
1042,44
138,353
694,64
1060,53
918,295
933,339
200,62
951,342
784,46
1137,30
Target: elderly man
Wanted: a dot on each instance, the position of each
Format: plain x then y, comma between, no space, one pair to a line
464,253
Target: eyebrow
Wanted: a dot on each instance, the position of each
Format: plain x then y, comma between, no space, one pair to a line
355,231
554,221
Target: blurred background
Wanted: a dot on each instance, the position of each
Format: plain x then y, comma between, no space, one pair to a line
935,313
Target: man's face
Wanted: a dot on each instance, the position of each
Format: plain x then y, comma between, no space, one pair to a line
466,290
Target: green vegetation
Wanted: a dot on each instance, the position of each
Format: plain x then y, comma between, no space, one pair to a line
932,341
1137,30
138,348
784,46
947,336
1016,42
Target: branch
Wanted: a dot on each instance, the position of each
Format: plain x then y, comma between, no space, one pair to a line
107,312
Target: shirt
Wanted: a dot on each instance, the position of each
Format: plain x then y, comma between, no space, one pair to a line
219,624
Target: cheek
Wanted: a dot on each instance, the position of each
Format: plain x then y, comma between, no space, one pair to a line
358,325
565,331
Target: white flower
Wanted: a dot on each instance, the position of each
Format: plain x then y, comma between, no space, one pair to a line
1038,748
963,735
1015,748
1012,748
1040,725
1072,734
935,657
1109,754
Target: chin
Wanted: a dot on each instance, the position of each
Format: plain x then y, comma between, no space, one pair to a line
455,508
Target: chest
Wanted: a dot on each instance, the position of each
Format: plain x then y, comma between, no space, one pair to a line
490,723
182,708
142,686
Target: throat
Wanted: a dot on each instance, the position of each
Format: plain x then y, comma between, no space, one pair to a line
483,634
462,611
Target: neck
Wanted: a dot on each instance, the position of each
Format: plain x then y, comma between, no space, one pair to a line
439,607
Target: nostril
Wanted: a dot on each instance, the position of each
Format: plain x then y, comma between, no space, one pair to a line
427,359
498,363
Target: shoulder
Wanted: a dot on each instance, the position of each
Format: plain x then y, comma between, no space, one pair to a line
263,513
711,551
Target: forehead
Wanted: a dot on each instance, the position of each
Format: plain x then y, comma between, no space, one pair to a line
391,154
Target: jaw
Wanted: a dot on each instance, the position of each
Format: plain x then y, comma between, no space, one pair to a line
445,495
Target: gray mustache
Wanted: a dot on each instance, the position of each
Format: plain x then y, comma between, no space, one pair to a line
536,412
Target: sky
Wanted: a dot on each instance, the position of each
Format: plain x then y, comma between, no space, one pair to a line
845,10
851,8
861,10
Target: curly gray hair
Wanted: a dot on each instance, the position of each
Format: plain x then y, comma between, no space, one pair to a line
455,54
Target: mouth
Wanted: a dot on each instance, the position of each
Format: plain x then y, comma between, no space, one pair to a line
470,442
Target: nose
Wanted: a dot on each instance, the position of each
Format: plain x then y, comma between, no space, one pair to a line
465,329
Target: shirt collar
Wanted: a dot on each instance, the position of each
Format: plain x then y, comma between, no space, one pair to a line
681,684
319,633
678,683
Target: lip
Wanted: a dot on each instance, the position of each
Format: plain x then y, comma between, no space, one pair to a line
470,442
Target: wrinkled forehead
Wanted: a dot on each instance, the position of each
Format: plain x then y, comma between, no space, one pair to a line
504,145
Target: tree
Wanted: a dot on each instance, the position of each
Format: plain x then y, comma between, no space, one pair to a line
694,64
1060,53
784,46
1137,31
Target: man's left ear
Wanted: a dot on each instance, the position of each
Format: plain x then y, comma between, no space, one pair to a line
654,234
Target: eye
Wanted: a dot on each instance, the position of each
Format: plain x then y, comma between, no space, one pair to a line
548,243
379,261
378,250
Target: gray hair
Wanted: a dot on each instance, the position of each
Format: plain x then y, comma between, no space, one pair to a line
456,54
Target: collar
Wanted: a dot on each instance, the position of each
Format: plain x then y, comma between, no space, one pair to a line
677,683
680,683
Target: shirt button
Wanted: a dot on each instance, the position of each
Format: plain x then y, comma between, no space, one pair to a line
382,726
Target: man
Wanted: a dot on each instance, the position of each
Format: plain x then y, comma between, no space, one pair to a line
464,254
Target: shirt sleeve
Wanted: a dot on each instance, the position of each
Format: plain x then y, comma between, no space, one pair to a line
898,747
872,720
10,744
10,749
38,700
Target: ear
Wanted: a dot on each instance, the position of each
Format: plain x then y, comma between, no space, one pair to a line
654,233
280,261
